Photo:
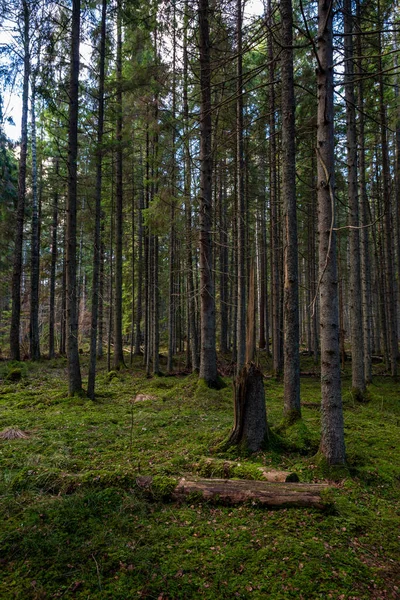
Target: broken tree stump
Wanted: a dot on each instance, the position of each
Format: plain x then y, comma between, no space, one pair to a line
250,429
228,491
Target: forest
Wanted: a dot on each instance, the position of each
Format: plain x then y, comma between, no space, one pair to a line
199,299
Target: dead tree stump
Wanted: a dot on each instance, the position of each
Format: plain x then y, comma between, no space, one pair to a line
250,430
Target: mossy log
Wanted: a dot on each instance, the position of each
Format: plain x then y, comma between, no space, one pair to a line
230,468
263,493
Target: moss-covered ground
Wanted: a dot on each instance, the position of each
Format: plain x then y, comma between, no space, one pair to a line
74,525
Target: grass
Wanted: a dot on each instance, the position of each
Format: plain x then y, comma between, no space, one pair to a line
75,526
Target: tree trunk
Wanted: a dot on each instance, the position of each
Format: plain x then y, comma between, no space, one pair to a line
53,265
226,491
357,346
364,214
74,371
332,439
35,240
63,316
118,360
19,224
291,371
97,227
241,212
388,239
208,358
275,271
139,308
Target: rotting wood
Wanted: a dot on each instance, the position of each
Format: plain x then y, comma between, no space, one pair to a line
227,491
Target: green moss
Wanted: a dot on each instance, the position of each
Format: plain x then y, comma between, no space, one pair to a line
328,471
112,375
14,375
74,523
162,487
297,437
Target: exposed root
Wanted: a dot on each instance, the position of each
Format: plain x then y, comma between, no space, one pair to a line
13,433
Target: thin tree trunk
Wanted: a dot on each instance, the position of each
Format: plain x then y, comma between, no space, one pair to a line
53,262
356,329
133,313
19,225
97,227
193,329
101,292
364,234
388,240
241,212
208,358
74,371
332,445
172,242
63,319
139,308
35,240
118,359
292,409
275,271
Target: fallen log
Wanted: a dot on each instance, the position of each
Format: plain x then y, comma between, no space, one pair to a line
209,467
228,491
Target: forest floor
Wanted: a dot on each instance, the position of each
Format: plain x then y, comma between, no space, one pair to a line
74,524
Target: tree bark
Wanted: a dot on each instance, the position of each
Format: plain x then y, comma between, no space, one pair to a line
357,346
291,371
226,491
35,239
275,270
332,445
118,359
19,225
241,212
54,254
208,358
74,371
97,226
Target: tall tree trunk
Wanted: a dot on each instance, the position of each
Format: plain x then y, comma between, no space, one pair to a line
101,292
291,371
133,226
97,226
53,262
111,251
223,262
357,346
63,317
332,445
388,239
118,359
172,242
193,329
275,270
364,218
208,357
35,240
19,226
241,212
74,371
139,308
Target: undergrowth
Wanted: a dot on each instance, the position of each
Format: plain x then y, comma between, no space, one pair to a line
75,524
